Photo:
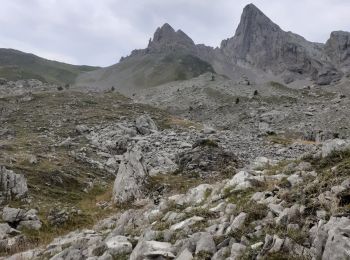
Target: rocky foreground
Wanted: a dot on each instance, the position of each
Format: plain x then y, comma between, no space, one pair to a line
100,177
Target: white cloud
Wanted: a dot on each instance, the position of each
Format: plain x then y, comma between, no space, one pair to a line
99,32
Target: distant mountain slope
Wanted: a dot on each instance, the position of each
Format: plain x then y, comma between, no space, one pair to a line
15,65
145,71
170,56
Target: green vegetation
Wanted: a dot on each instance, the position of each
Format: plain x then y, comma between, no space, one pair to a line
16,65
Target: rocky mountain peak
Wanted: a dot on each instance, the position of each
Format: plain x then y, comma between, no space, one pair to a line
166,37
253,21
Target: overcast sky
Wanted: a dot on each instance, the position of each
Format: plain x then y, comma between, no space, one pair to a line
99,32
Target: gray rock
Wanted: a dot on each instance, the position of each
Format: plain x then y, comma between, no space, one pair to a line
118,245
69,254
4,230
221,254
151,250
337,48
12,185
186,223
208,130
295,179
237,223
206,244
184,255
237,250
131,178
289,215
338,244
145,125
331,240
12,215
30,224
262,44
105,256
330,146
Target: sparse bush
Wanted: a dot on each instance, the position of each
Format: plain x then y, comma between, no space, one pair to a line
59,88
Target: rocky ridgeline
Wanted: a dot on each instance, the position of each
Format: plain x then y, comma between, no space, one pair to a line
262,208
259,52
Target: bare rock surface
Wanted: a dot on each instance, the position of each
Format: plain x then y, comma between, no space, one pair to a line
12,185
131,177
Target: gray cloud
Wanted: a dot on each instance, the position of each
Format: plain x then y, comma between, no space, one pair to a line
100,32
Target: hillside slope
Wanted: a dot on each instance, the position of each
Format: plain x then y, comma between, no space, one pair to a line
170,56
16,65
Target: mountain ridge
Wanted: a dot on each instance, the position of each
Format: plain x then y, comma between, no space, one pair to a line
15,65
260,50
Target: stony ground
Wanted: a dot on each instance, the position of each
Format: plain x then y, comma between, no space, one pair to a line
99,176
310,113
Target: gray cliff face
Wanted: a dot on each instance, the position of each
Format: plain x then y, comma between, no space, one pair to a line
338,49
167,39
260,43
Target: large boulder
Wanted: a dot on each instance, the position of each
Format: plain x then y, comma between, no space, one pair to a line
331,240
21,219
12,185
145,125
334,145
131,177
152,250
205,244
118,245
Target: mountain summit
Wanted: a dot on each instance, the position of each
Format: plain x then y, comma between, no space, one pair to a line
166,37
253,21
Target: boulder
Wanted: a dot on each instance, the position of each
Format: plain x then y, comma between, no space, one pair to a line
30,224
331,240
208,130
145,125
330,146
186,223
184,255
12,215
289,215
205,244
131,177
152,250
237,223
118,245
237,250
12,185
239,179
197,195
